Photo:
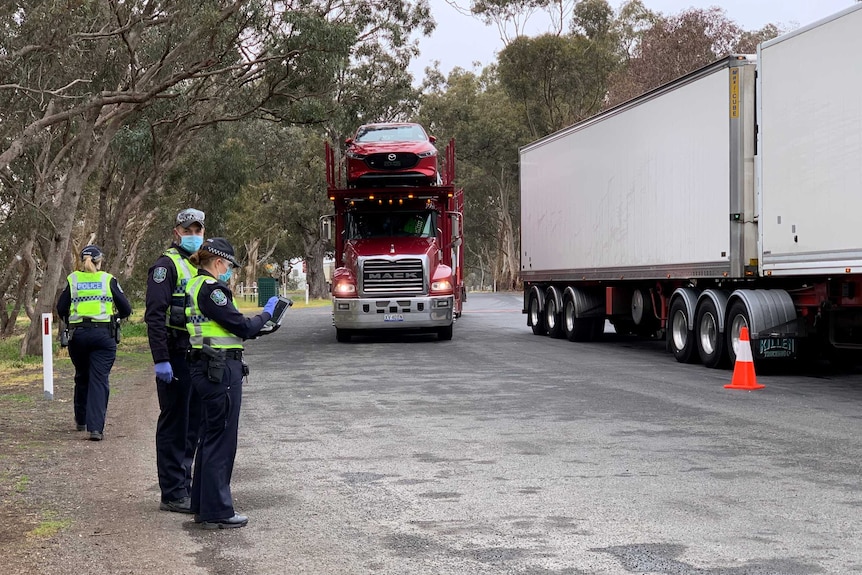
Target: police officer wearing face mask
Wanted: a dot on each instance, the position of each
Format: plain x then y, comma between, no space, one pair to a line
217,330
179,415
87,306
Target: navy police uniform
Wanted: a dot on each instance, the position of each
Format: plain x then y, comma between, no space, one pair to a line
215,325
179,405
87,305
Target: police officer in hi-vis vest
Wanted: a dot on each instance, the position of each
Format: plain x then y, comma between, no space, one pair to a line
217,330
88,306
179,406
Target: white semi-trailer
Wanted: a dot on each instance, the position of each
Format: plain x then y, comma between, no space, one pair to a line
730,197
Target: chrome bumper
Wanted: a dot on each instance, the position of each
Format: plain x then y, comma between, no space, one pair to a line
392,313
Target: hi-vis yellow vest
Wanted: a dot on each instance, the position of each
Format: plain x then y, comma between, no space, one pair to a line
91,297
203,330
185,272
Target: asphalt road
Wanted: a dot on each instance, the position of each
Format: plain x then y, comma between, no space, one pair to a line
504,452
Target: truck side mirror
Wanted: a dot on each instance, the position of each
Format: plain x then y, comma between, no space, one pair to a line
456,227
326,227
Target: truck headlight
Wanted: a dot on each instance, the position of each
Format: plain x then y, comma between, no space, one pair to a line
344,288
441,286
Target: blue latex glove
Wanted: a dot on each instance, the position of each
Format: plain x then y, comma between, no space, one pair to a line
164,372
270,305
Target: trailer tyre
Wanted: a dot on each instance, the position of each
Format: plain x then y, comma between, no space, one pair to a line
710,341
553,317
537,321
579,328
342,335
681,340
737,318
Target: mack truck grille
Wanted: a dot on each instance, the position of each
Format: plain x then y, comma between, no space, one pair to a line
399,276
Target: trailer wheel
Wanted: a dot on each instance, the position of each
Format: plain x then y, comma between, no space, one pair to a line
577,328
342,335
537,322
737,318
553,319
445,333
710,341
681,340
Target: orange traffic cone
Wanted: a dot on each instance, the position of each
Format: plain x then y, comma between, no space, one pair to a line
743,369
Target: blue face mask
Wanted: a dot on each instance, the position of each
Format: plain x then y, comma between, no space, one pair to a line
191,243
226,275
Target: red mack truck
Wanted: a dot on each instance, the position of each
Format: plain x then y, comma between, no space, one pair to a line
398,234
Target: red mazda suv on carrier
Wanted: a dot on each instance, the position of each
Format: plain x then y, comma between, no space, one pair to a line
391,154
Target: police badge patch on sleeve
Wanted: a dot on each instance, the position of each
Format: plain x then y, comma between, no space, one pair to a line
159,274
218,297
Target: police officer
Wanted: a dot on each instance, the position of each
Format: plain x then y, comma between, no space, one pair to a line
217,330
87,305
179,406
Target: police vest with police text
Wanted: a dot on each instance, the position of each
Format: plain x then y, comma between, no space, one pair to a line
91,297
203,330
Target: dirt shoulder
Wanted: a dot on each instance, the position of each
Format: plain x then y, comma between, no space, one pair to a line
74,506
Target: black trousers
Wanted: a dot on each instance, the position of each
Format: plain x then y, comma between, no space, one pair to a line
220,405
177,431
93,351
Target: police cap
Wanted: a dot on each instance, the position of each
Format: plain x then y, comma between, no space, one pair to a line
221,248
93,251
190,216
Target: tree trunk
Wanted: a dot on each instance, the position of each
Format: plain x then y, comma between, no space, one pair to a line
314,248
140,224
250,270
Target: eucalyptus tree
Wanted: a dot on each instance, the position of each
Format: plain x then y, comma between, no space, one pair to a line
487,129
83,82
671,46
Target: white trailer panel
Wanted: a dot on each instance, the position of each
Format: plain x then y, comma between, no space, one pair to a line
810,149
643,188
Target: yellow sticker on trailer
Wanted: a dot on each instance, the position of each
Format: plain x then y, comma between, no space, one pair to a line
734,92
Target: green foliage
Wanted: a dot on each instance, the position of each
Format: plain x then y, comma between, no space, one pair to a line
134,329
49,526
21,484
210,176
556,80
10,353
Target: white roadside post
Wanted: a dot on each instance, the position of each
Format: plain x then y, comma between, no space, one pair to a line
47,355
306,293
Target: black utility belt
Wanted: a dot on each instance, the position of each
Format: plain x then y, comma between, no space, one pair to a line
196,354
89,324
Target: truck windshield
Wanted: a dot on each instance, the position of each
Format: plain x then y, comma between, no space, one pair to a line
363,225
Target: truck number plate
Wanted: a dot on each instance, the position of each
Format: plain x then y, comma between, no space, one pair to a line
393,317
770,347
